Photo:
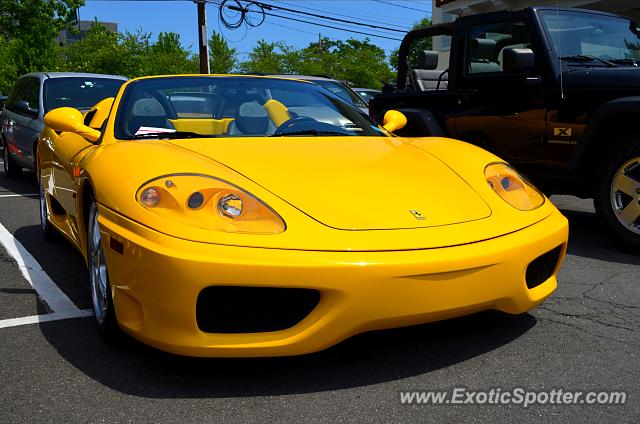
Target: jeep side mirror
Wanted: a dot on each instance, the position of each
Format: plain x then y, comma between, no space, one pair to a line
394,120
68,119
518,60
23,107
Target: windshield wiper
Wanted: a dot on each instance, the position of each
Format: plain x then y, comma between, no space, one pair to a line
587,58
310,132
172,135
631,62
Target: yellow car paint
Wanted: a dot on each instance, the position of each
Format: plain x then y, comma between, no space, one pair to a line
350,232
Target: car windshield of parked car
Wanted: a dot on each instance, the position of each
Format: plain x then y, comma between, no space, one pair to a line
366,95
78,92
341,91
592,39
185,107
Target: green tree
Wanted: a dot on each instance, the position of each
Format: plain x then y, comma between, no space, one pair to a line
418,46
359,63
167,56
265,58
98,51
222,58
363,64
8,70
30,28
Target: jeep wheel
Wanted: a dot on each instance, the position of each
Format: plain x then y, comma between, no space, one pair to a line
618,193
11,168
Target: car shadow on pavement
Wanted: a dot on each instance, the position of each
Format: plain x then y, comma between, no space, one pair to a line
370,358
60,260
26,183
590,238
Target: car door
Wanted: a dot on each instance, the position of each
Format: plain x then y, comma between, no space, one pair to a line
9,116
66,152
25,125
497,109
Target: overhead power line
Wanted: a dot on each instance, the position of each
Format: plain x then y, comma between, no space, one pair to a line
404,27
329,18
267,12
402,6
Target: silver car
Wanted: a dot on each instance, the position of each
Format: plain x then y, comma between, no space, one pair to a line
33,95
338,88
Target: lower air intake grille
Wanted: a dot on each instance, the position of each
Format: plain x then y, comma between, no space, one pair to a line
541,269
233,309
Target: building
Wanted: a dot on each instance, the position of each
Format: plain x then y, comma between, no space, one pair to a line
448,10
69,37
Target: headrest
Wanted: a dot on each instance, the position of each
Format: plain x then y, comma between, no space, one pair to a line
483,48
428,59
252,118
148,107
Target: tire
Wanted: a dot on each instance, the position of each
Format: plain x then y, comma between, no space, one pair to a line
11,167
617,198
101,300
48,231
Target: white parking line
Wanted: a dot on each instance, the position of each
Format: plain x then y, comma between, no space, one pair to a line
20,195
35,319
49,292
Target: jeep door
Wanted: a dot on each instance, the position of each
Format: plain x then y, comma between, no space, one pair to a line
498,110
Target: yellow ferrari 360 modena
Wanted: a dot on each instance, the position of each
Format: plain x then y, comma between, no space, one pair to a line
257,216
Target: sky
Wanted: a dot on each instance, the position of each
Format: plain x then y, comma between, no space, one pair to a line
180,16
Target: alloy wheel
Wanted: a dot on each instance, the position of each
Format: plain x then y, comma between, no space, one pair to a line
44,214
97,269
625,195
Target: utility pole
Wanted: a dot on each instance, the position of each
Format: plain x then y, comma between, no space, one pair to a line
202,37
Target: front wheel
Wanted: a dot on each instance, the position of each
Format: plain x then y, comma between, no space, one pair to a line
103,309
45,225
617,198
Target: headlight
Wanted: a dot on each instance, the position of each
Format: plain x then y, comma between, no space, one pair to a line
209,203
512,187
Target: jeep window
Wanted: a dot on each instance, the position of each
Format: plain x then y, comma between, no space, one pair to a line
588,39
486,44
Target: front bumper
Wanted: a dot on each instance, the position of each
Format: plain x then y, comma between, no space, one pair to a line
157,278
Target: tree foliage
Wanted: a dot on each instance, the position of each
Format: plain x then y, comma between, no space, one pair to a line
128,54
28,29
27,32
418,46
222,58
360,63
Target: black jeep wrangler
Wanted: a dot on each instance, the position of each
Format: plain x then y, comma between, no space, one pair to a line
554,92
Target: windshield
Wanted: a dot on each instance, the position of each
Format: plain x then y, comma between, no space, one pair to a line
366,94
78,92
341,91
582,36
183,107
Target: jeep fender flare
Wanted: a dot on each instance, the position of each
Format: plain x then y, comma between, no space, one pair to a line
589,142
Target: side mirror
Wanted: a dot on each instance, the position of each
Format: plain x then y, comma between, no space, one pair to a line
518,60
23,107
394,120
99,113
68,119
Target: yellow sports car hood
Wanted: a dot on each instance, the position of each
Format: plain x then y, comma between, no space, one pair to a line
352,183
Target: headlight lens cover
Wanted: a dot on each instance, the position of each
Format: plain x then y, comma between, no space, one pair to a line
209,203
512,187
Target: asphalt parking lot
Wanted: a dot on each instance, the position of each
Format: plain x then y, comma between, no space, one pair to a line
585,338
